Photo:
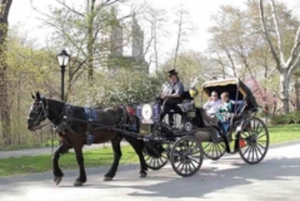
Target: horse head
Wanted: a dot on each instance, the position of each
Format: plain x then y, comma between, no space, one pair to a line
38,112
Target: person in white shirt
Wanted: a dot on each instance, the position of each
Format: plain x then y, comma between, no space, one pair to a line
213,104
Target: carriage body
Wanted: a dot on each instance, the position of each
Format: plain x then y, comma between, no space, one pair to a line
243,128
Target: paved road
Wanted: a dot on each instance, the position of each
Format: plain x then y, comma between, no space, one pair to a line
276,178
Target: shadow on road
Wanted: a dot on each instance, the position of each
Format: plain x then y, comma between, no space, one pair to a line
211,179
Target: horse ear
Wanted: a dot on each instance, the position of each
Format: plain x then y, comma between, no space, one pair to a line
32,96
38,96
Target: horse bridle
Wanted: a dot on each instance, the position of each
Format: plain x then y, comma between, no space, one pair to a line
44,113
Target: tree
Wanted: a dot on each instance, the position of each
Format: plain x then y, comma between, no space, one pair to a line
4,102
83,30
191,65
182,22
285,65
156,20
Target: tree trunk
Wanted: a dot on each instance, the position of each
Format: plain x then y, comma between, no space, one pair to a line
284,90
297,90
4,101
90,43
179,35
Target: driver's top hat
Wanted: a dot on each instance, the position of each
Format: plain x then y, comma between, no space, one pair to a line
172,72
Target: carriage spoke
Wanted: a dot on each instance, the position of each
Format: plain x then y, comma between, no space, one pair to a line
259,150
256,153
198,151
181,167
260,136
247,149
259,129
207,145
252,154
249,154
219,148
186,168
244,135
260,145
193,164
193,159
190,169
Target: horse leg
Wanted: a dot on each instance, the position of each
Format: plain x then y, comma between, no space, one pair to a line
115,142
58,174
138,146
80,160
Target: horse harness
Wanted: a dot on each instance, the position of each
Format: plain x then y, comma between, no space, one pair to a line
127,121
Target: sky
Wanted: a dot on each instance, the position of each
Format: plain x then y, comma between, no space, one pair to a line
200,11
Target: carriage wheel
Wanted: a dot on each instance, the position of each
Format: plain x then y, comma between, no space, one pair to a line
253,140
214,150
186,156
155,163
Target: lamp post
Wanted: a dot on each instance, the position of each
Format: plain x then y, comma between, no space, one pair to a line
63,59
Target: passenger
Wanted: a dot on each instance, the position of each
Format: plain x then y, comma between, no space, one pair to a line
213,104
171,96
226,107
225,111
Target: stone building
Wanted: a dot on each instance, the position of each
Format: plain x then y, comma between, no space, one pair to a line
116,58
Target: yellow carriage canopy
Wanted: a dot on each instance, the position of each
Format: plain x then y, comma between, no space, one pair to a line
235,87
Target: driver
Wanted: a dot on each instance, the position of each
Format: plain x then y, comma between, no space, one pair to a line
171,96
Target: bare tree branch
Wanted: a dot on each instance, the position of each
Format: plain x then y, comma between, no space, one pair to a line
267,35
295,50
277,31
70,9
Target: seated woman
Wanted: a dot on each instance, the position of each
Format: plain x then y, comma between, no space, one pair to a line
225,111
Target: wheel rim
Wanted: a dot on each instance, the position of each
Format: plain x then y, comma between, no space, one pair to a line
254,141
186,156
214,150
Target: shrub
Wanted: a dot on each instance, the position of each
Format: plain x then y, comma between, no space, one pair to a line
290,118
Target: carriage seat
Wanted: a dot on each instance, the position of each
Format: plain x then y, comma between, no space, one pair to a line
207,120
187,104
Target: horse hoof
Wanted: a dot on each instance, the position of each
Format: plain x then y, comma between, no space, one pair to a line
57,180
78,183
143,175
107,179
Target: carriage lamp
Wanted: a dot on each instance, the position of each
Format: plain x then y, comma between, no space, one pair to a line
63,60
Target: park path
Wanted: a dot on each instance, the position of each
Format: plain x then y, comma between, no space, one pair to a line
46,150
275,178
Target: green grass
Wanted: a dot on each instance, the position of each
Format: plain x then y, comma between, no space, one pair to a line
43,163
30,146
104,156
284,133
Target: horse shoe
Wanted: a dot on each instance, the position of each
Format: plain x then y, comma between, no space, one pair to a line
78,183
57,180
107,179
143,175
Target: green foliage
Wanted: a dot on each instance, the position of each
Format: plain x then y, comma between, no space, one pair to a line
121,87
290,118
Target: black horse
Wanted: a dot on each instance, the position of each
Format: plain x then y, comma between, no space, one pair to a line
72,127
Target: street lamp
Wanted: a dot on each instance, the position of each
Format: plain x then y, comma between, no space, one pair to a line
63,60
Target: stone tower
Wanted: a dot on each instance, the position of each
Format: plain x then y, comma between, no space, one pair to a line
116,39
137,40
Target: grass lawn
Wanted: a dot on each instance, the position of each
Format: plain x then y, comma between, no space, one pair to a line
42,163
284,133
104,156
